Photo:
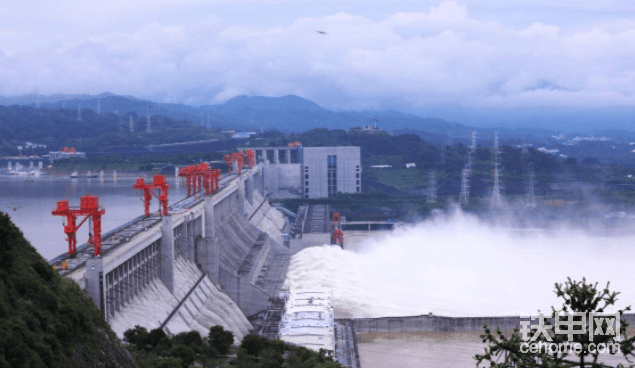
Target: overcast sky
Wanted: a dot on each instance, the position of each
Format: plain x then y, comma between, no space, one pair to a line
373,55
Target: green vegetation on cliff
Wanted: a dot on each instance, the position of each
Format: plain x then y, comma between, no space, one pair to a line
46,320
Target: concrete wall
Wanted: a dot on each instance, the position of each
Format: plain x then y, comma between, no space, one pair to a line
249,298
289,180
316,167
428,323
285,180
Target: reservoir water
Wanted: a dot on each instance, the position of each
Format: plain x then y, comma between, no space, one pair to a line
29,203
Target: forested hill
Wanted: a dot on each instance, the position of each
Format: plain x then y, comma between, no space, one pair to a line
57,128
45,320
287,113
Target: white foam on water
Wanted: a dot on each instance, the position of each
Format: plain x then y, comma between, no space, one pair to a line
457,265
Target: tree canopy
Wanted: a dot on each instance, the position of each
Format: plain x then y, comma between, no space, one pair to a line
584,314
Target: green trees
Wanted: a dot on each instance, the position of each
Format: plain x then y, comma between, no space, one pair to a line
137,336
185,354
220,339
156,349
46,320
253,344
581,300
259,352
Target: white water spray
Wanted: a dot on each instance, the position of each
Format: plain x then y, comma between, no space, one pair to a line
456,265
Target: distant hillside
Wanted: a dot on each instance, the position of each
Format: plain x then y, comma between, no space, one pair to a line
57,128
287,113
45,320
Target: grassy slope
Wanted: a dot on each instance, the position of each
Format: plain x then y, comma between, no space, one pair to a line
46,320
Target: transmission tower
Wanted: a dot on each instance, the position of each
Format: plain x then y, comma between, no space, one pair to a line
531,193
131,124
99,106
79,112
464,196
202,120
209,122
471,151
148,125
496,195
432,190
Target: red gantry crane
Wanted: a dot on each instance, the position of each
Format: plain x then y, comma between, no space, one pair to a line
238,158
149,191
251,158
337,220
189,173
338,238
200,177
210,180
338,235
89,207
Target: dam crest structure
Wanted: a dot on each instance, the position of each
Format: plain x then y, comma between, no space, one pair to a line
213,260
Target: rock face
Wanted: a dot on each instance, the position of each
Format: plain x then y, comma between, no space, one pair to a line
46,320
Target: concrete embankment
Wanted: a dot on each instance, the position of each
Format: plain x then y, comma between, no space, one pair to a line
432,323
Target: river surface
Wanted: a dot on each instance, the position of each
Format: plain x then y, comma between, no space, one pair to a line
29,203
433,350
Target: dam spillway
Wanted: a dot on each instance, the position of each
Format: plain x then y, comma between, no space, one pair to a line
214,260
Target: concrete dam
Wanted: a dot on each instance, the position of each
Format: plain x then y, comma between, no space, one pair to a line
214,260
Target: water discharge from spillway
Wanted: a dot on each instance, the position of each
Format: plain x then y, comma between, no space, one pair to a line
456,265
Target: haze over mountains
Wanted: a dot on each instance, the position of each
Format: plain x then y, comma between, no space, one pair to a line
294,114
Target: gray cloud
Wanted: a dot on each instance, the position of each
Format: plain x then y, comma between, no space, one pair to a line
439,56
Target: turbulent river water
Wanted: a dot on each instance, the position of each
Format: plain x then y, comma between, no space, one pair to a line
457,265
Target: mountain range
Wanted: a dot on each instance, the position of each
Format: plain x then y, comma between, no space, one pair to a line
287,114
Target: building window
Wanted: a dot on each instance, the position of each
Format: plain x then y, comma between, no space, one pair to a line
306,196
358,190
332,161
306,176
306,183
332,174
306,190
357,175
358,182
